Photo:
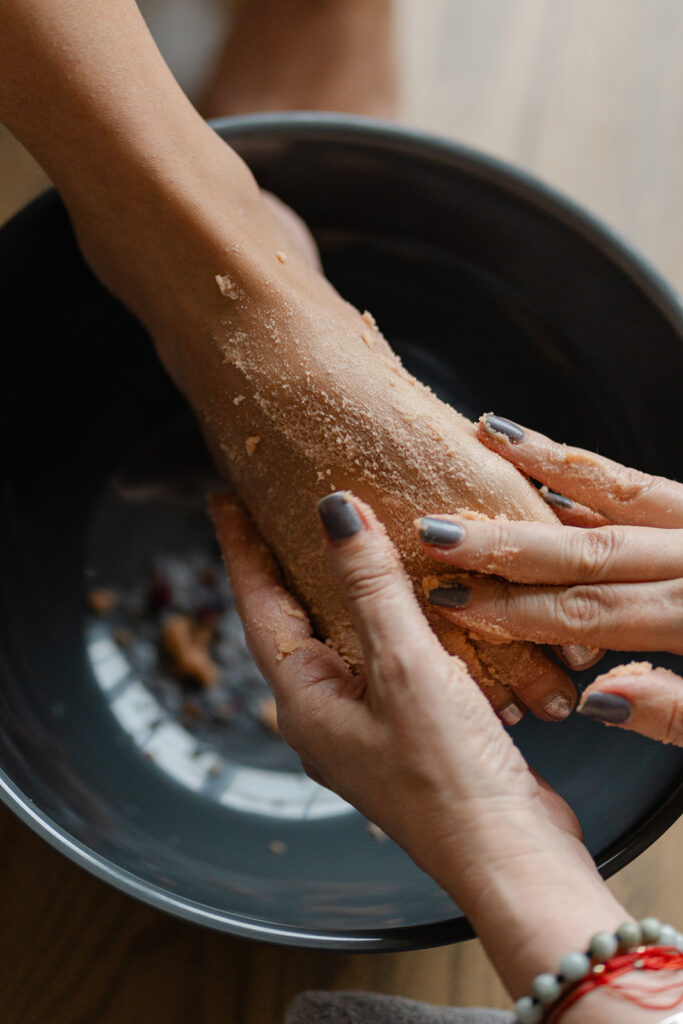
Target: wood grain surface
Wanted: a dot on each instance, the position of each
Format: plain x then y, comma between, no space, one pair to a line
589,97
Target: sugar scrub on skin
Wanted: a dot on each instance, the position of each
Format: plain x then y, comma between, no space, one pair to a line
333,408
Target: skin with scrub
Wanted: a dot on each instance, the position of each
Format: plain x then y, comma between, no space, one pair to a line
291,383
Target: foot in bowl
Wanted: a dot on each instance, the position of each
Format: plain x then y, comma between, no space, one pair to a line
299,394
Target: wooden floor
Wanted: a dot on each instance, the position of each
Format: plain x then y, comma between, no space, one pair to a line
588,96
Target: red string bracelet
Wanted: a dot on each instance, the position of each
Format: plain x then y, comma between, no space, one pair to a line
605,976
635,946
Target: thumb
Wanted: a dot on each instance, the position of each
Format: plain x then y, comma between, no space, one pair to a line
400,650
640,698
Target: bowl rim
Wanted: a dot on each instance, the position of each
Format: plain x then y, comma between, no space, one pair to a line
373,132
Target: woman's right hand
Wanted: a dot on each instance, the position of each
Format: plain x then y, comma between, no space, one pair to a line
613,579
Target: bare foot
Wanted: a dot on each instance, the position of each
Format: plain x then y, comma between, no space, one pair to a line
299,394
306,55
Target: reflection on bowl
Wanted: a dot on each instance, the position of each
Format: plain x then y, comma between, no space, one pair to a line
498,294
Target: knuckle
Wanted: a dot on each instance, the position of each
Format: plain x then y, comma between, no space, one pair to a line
591,551
398,667
368,581
579,612
502,544
670,615
636,488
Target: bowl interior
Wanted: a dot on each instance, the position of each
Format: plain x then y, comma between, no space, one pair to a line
492,292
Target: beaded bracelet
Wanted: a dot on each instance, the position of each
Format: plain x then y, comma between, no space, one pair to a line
548,989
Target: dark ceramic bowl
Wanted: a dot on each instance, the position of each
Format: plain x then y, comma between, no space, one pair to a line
495,290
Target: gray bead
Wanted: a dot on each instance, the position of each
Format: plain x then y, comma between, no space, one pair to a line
629,934
650,927
527,1011
575,966
546,988
603,946
667,936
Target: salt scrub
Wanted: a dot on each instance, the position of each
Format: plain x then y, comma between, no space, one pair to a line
634,668
227,287
334,413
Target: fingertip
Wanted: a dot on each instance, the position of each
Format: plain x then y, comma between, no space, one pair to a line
439,532
609,708
339,516
640,698
230,520
498,429
612,695
634,674
344,516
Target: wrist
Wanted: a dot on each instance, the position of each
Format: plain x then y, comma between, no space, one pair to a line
531,891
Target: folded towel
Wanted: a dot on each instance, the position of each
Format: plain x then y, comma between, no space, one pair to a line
369,1008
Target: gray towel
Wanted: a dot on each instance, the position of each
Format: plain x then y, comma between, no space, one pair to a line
368,1008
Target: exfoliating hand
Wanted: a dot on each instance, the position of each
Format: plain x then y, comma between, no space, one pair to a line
411,741
611,577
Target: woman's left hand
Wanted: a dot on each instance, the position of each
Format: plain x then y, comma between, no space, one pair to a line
612,578
415,745
412,742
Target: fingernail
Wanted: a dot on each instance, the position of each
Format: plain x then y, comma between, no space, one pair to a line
579,657
440,532
505,428
559,706
606,707
511,713
338,516
554,499
455,596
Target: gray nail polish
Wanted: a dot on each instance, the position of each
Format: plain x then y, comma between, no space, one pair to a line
606,707
555,500
440,532
338,516
455,596
509,430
